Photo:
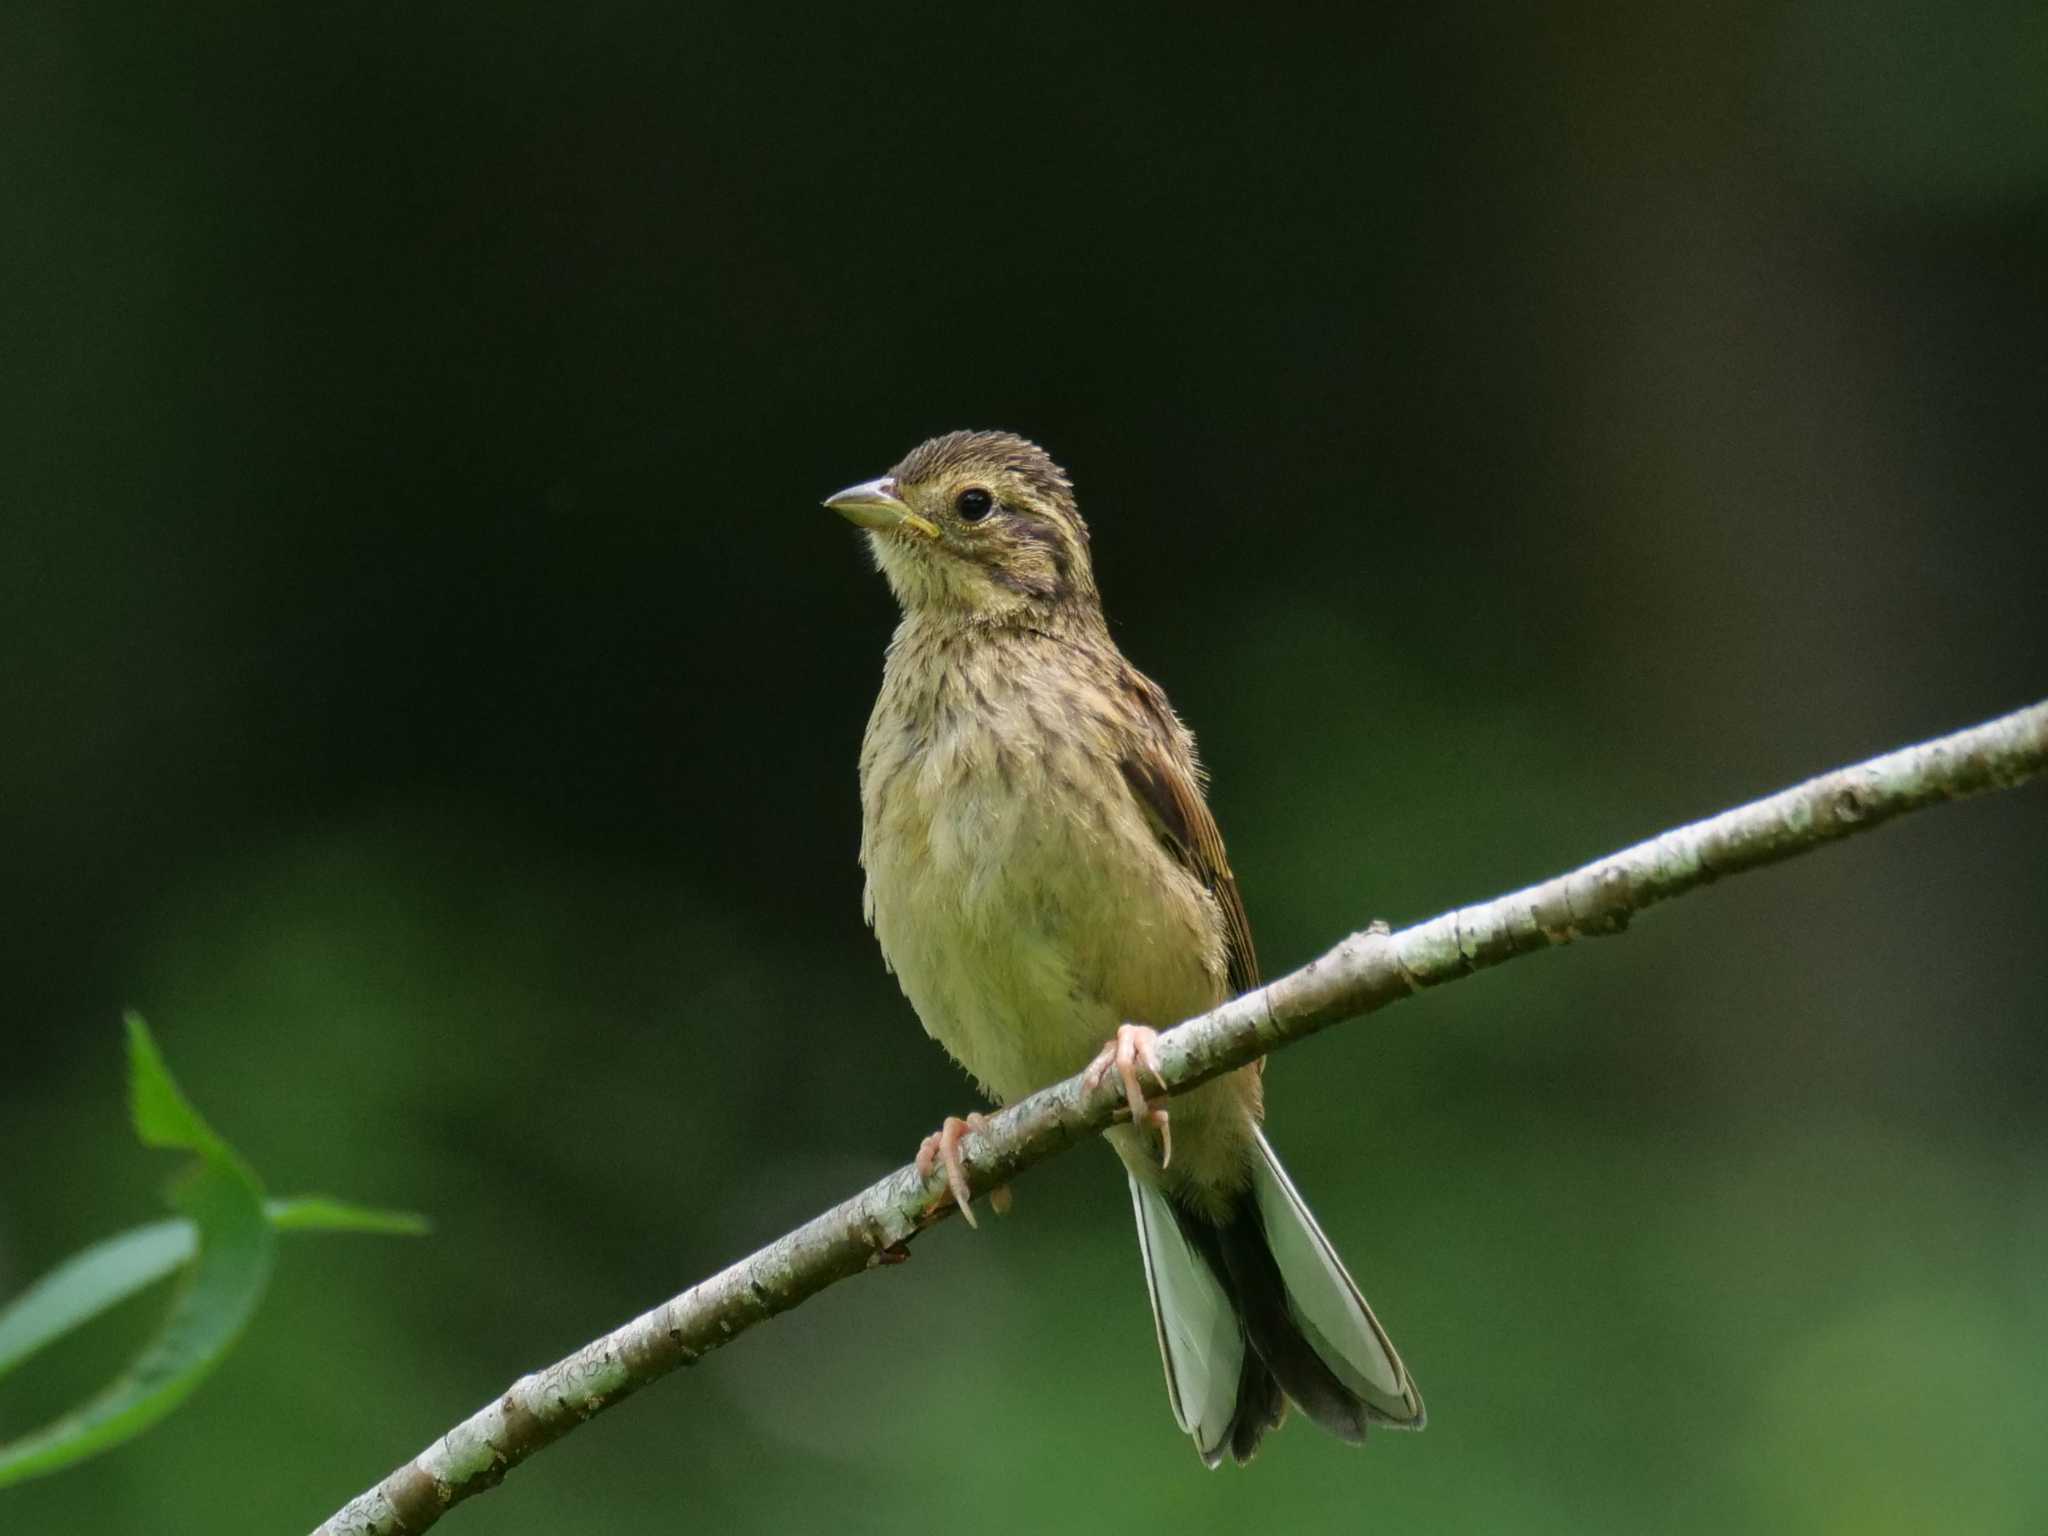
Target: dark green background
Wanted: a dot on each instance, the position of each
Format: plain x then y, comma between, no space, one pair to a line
431,693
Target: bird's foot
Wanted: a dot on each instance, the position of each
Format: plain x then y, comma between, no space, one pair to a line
1134,1046
943,1146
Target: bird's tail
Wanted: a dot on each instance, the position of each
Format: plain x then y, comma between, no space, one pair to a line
1259,1311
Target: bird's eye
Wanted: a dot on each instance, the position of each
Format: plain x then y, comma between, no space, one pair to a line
973,504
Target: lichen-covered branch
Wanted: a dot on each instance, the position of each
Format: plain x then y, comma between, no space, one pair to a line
1362,974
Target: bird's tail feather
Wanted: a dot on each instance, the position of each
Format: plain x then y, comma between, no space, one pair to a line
1201,1342
1259,1310
1324,1304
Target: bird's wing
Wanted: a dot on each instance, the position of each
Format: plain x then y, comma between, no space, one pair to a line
1162,777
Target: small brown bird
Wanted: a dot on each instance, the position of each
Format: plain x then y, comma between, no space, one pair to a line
1044,876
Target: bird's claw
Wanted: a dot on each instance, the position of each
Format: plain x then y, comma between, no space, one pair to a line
1134,1046
943,1146
1164,1124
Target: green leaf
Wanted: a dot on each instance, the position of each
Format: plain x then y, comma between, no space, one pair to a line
219,1292
103,1276
163,1116
319,1213
230,1228
88,1283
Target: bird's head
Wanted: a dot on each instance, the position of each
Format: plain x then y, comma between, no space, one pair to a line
981,525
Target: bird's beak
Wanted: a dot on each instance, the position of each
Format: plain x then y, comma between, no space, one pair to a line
874,505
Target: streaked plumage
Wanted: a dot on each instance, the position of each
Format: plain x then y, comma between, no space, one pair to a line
1041,869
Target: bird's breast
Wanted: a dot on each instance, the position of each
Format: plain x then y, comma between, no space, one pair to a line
1017,891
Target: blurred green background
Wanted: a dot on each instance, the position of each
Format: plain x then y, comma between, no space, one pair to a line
431,693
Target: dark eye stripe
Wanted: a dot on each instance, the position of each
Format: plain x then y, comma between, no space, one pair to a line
1038,531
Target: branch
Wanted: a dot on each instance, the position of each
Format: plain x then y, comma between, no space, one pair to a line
1361,975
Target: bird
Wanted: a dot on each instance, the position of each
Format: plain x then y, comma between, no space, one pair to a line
1049,888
